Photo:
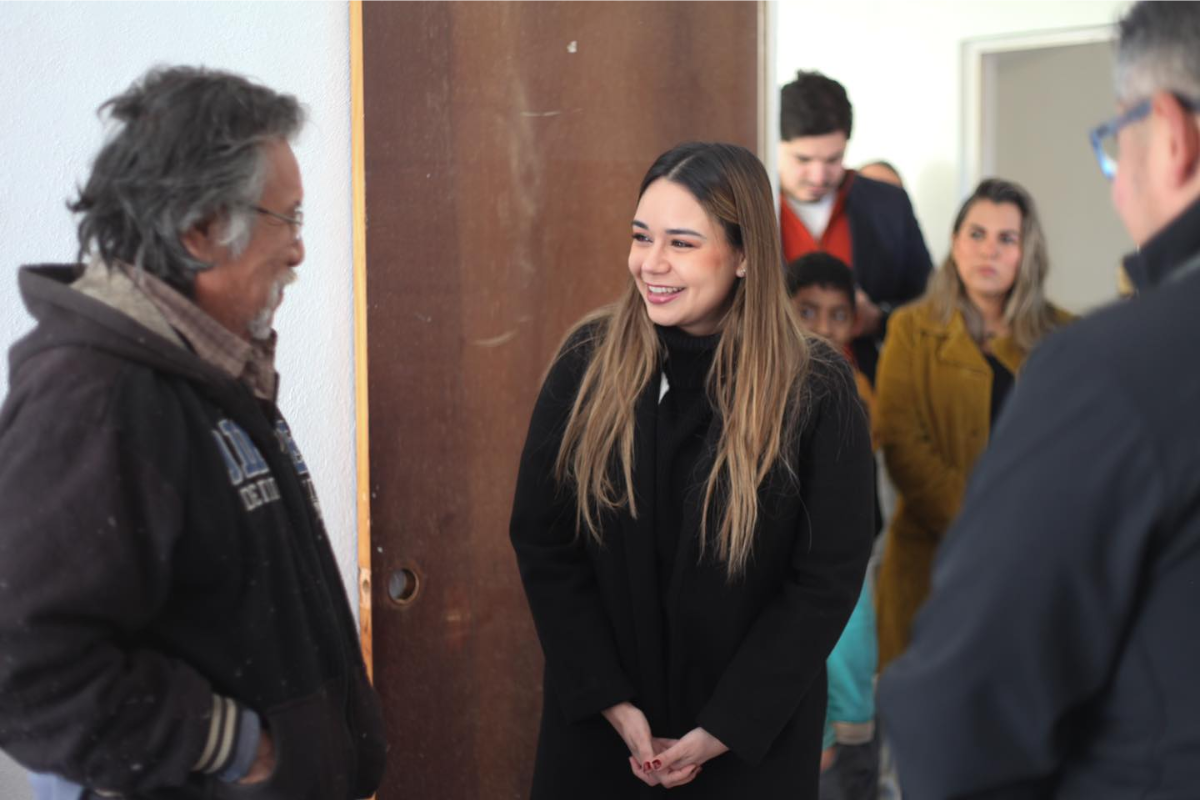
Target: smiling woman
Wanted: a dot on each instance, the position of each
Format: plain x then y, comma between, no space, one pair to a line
681,261
693,511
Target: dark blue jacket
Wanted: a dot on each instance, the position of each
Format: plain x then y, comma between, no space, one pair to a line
1056,656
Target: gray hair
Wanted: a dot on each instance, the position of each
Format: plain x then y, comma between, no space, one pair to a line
1159,50
188,149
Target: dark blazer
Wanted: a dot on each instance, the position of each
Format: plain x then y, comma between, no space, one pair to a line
891,262
744,660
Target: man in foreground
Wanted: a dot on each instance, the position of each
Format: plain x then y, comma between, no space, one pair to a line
1055,656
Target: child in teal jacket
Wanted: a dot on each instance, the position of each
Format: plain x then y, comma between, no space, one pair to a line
822,289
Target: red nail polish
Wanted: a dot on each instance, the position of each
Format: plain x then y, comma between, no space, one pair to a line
647,766
657,764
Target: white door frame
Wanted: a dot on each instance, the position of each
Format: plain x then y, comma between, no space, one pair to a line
768,94
979,87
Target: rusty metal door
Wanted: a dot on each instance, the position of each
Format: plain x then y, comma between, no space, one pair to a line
503,147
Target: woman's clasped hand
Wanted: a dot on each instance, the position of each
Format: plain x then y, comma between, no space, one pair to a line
659,761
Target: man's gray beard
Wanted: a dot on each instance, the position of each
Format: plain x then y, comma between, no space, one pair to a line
260,328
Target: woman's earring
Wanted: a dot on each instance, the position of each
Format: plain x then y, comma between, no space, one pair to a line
741,273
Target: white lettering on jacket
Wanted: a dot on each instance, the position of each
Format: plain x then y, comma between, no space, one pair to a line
248,470
284,434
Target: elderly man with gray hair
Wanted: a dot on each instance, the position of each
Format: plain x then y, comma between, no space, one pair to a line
172,620
1057,655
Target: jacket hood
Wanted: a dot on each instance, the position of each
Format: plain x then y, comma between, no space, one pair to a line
68,318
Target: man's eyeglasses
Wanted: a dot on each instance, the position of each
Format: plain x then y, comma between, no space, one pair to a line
1104,135
296,221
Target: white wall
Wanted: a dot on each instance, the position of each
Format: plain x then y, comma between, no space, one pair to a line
900,62
63,59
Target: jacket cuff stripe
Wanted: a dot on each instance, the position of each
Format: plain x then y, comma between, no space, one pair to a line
854,733
214,725
222,732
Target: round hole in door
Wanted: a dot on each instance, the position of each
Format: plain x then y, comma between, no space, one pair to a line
403,585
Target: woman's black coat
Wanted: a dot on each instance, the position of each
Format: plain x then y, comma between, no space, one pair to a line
744,660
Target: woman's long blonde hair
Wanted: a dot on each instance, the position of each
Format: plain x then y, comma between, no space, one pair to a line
756,378
1027,312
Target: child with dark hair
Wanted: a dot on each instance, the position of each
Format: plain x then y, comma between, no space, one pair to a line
822,288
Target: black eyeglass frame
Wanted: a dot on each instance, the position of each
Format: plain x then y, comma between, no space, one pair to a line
296,222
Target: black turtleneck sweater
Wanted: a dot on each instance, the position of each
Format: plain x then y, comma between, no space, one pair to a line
1002,383
684,416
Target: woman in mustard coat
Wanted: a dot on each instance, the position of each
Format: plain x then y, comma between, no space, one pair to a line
947,365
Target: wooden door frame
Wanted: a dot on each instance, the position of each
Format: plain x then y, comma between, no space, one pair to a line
768,93
362,429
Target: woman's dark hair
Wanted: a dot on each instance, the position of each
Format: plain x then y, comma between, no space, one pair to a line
703,168
188,149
